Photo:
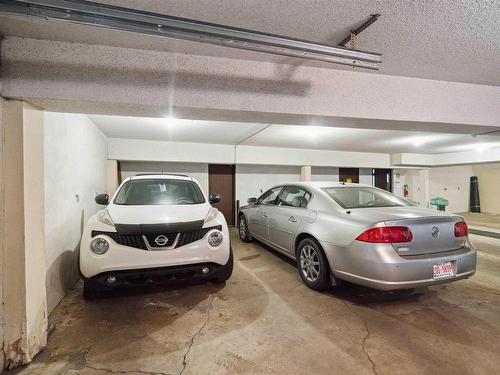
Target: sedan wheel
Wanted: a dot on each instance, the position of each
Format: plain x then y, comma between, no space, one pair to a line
309,263
243,230
313,265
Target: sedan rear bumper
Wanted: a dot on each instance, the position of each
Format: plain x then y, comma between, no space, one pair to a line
378,266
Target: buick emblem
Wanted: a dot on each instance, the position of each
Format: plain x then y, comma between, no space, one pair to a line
435,232
161,240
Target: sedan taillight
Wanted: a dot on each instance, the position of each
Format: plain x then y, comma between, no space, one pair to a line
461,229
386,235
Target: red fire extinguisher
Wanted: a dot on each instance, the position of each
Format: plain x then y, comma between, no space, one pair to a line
405,191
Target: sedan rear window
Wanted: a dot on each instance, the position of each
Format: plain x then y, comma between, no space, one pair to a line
159,192
361,196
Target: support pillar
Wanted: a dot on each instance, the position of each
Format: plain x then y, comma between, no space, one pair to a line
113,179
22,233
305,173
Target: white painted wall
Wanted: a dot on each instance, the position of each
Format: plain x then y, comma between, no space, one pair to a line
417,184
253,180
488,176
325,174
451,183
199,171
75,171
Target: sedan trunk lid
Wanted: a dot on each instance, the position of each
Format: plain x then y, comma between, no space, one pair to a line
431,234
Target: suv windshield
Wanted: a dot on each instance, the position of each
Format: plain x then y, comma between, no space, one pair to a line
359,197
159,192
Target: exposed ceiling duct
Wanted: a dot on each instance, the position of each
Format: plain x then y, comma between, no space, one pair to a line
95,14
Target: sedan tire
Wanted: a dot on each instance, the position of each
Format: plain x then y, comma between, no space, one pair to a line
243,230
312,265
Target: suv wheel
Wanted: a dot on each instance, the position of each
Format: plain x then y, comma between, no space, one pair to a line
243,230
90,290
312,265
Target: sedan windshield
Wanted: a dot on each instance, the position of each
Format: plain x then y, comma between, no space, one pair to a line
159,192
361,196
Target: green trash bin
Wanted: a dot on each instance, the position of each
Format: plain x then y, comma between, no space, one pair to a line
439,203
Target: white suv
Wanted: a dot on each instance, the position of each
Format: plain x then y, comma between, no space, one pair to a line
156,228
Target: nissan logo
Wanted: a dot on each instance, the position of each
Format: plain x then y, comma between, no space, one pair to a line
161,240
435,232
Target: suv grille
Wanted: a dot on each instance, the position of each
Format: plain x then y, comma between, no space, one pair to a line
136,240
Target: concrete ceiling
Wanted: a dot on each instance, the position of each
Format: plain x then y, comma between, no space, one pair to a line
444,40
165,129
291,136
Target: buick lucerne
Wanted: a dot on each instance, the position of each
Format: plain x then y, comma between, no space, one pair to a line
360,234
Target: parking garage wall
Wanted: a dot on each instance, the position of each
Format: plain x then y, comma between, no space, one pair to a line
75,171
253,180
489,181
451,183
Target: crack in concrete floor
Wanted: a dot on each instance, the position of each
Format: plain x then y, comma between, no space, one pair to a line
363,347
198,333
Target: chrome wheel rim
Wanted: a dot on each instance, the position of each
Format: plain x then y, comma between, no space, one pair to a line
243,228
309,263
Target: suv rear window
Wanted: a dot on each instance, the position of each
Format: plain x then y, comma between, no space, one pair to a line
143,192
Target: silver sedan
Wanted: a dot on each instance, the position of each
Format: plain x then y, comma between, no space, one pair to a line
360,234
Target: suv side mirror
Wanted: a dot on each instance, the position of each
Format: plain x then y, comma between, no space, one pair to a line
102,199
252,200
215,198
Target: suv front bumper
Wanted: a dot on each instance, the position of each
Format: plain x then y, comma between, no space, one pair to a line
120,258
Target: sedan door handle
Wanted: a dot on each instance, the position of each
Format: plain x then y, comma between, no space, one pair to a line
265,214
291,219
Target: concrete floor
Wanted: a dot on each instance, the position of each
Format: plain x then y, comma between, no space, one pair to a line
265,321
482,220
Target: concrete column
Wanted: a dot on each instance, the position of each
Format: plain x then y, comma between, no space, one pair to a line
112,181
22,233
305,173
423,177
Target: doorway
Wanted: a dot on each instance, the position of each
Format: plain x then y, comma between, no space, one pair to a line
382,178
349,175
221,180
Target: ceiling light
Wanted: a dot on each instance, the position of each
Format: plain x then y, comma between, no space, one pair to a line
131,20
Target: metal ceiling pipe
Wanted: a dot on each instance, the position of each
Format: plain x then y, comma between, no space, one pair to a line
95,14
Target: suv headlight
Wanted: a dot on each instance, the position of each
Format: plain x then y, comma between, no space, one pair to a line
215,238
99,246
212,214
103,217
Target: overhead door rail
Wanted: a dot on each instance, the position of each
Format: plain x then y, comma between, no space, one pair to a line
112,17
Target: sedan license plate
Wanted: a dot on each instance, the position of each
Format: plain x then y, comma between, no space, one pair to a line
445,269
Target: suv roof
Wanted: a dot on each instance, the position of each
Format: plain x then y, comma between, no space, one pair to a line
169,176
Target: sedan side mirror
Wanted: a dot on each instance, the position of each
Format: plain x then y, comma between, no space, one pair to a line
102,199
252,200
215,198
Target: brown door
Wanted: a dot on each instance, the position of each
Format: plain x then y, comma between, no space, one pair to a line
349,175
382,178
221,180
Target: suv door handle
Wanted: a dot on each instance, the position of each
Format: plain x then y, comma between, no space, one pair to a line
292,219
